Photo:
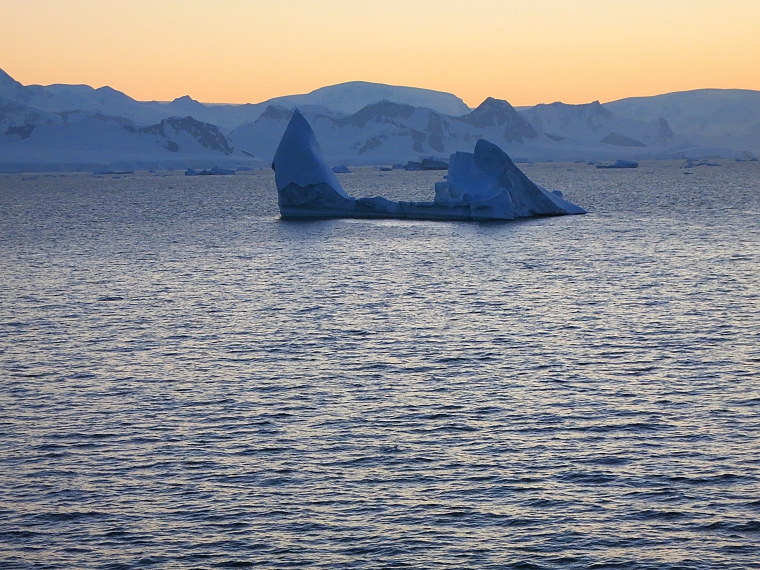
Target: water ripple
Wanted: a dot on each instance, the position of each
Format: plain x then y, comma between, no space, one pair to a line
189,382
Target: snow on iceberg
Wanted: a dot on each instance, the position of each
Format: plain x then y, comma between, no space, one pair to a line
484,185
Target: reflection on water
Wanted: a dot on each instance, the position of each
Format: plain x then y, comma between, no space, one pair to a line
189,382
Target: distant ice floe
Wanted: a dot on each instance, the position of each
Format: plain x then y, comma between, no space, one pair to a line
620,164
484,185
216,171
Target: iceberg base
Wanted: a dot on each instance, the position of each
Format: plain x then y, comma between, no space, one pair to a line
320,201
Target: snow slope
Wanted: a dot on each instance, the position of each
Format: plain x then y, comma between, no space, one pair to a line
728,118
348,98
31,139
594,122
344,98
389,132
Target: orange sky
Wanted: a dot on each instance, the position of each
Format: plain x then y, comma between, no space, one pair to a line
525,51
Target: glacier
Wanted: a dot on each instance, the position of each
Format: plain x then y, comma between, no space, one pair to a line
481,186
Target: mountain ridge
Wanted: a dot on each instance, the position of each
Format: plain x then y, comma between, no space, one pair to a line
42,124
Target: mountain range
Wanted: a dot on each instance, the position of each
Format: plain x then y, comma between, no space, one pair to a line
77,127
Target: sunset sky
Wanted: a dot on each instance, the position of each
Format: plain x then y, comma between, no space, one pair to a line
525,51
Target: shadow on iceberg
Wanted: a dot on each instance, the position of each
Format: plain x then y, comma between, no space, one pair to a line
484,185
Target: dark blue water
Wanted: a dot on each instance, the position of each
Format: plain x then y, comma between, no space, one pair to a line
188,382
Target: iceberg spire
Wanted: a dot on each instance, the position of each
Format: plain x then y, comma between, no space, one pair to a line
298,159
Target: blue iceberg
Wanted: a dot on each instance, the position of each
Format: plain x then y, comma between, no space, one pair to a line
620,164
481,186
216,171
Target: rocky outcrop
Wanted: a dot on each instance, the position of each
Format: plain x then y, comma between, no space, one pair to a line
496,113
206,134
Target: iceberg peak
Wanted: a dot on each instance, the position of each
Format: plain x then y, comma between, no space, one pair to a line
298,159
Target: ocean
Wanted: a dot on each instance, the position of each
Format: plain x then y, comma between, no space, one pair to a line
189,382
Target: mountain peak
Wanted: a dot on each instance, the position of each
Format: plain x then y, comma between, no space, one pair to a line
491,113
7,82
497,113
185,100
350,97
594,109
5,78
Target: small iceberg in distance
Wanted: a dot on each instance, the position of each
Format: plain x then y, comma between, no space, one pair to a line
481,186
427,164
620,164
216,171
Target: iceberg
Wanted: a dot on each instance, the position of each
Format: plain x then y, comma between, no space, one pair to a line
430,163
481,186
620,164
216,171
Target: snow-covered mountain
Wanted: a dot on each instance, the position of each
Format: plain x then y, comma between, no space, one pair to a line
344,98
351,97
75,126
32,139
723,120
389,132
61,98
559,121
